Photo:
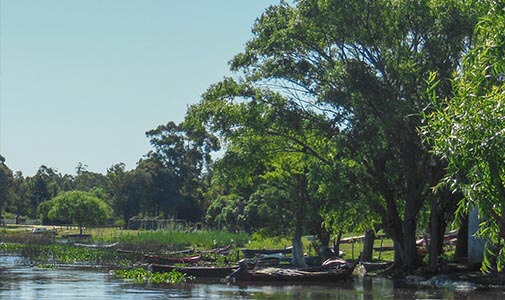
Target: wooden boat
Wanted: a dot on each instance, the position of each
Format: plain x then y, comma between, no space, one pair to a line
250,253
333,262
199,272
97,246
164,260
269,260
126,251
376,266
179,252
291,275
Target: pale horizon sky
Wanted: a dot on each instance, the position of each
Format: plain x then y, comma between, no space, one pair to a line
83,80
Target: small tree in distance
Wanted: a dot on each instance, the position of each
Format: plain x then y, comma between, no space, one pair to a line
82,208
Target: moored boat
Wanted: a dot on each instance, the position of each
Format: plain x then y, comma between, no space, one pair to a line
250,253
158,259
97,246
291,275
376,266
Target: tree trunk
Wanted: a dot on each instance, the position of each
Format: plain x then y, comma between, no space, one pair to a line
336,244
397,255
367,254
298,259
462,241
410,255
324,250
324,237
80,230
436,238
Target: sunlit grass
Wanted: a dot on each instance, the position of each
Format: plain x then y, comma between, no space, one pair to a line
171,240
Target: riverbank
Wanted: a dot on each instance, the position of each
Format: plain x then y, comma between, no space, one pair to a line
130,247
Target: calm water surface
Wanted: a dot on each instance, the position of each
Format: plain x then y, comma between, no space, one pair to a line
18,280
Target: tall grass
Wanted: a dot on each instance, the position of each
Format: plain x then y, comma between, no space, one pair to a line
25,237
173,240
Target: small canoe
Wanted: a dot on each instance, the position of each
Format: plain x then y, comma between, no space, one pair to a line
376,266
97,246
333,262
291,275
269,260
179,252
164,260
250,253
199,272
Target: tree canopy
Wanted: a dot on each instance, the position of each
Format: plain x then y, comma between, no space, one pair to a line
79,208
349,76
468,130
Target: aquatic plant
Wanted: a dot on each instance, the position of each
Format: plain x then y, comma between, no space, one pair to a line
141,275
62,253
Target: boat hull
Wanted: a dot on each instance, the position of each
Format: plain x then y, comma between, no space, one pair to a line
157,259
289,275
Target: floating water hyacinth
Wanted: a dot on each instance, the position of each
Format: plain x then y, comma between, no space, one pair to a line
141,275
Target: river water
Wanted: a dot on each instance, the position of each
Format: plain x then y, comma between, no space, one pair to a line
19,280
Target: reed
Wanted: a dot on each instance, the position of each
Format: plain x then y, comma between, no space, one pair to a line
172,240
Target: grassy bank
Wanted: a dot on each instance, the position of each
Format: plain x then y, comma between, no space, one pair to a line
166,241
169,240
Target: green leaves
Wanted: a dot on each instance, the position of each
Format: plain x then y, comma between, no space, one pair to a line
78,207
468,129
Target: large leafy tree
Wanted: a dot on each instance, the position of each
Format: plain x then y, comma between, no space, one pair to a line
468,130
161,189
81,208
184,154
44,185
128,190
354,69
86,180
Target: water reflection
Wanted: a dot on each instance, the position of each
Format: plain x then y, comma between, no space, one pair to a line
19,280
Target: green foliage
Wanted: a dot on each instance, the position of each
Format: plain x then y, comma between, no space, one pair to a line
176,239
64,254
80,208
141,275
327,85
263,240
227,211
468,129
6,179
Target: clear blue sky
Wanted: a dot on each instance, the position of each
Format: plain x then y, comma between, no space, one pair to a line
82,80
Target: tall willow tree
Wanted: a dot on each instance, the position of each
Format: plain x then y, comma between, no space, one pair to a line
468,129
355,71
